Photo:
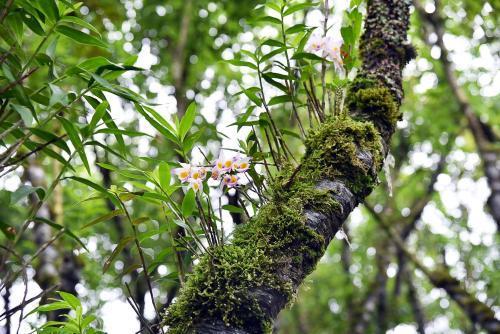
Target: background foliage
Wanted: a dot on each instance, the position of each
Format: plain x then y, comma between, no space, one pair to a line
101,100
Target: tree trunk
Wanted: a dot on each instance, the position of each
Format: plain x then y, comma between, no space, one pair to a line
241,287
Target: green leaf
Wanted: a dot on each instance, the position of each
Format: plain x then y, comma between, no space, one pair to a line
33,23
169,134
290,133
80,37
70,299
275,83
48,136
268,19
59,305
49,8
272,54
98,115
187,120
89,65
296,28
188,203
107,166
129,133
140,220
78,21
118,249
347,35
24,191
292,9
164,174
306,55
273,42
280,99
87,321
104,217
232,208
24,112
241,63
92,185
253,97
73,135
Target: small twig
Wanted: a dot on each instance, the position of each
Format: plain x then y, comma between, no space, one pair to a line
18,81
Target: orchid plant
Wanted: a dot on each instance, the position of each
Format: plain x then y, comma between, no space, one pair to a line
225,170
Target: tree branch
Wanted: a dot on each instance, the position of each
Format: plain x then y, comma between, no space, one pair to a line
242,286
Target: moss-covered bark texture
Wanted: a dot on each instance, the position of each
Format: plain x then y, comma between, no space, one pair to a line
242,287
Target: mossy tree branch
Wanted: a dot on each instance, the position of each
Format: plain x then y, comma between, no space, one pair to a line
243,286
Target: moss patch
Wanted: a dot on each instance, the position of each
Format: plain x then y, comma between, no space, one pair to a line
276,249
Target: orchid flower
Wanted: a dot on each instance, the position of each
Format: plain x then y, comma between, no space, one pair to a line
198,173
224,164
216,173
242,165
315,44
333,53
183,172
195,184
230,181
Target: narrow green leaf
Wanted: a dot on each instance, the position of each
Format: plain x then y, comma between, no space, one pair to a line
24,191
73,135
292,9
80,37
58,227
306,55
232,208
188,203
164,174
129,133
118,249
253,97
24,112
70,299
82,23
279,99
187,120
268,19
49,8
98,115
104,217
241,63
296,28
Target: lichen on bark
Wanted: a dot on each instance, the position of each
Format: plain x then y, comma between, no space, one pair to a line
241,287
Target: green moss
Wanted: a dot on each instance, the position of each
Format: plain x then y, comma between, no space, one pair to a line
276,249
219,287
375,104
333,151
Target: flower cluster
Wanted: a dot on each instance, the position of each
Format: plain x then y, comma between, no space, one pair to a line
329,48
226,170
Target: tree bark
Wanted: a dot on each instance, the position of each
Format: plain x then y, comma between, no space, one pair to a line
241,287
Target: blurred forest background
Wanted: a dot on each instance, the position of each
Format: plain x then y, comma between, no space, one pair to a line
88,93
